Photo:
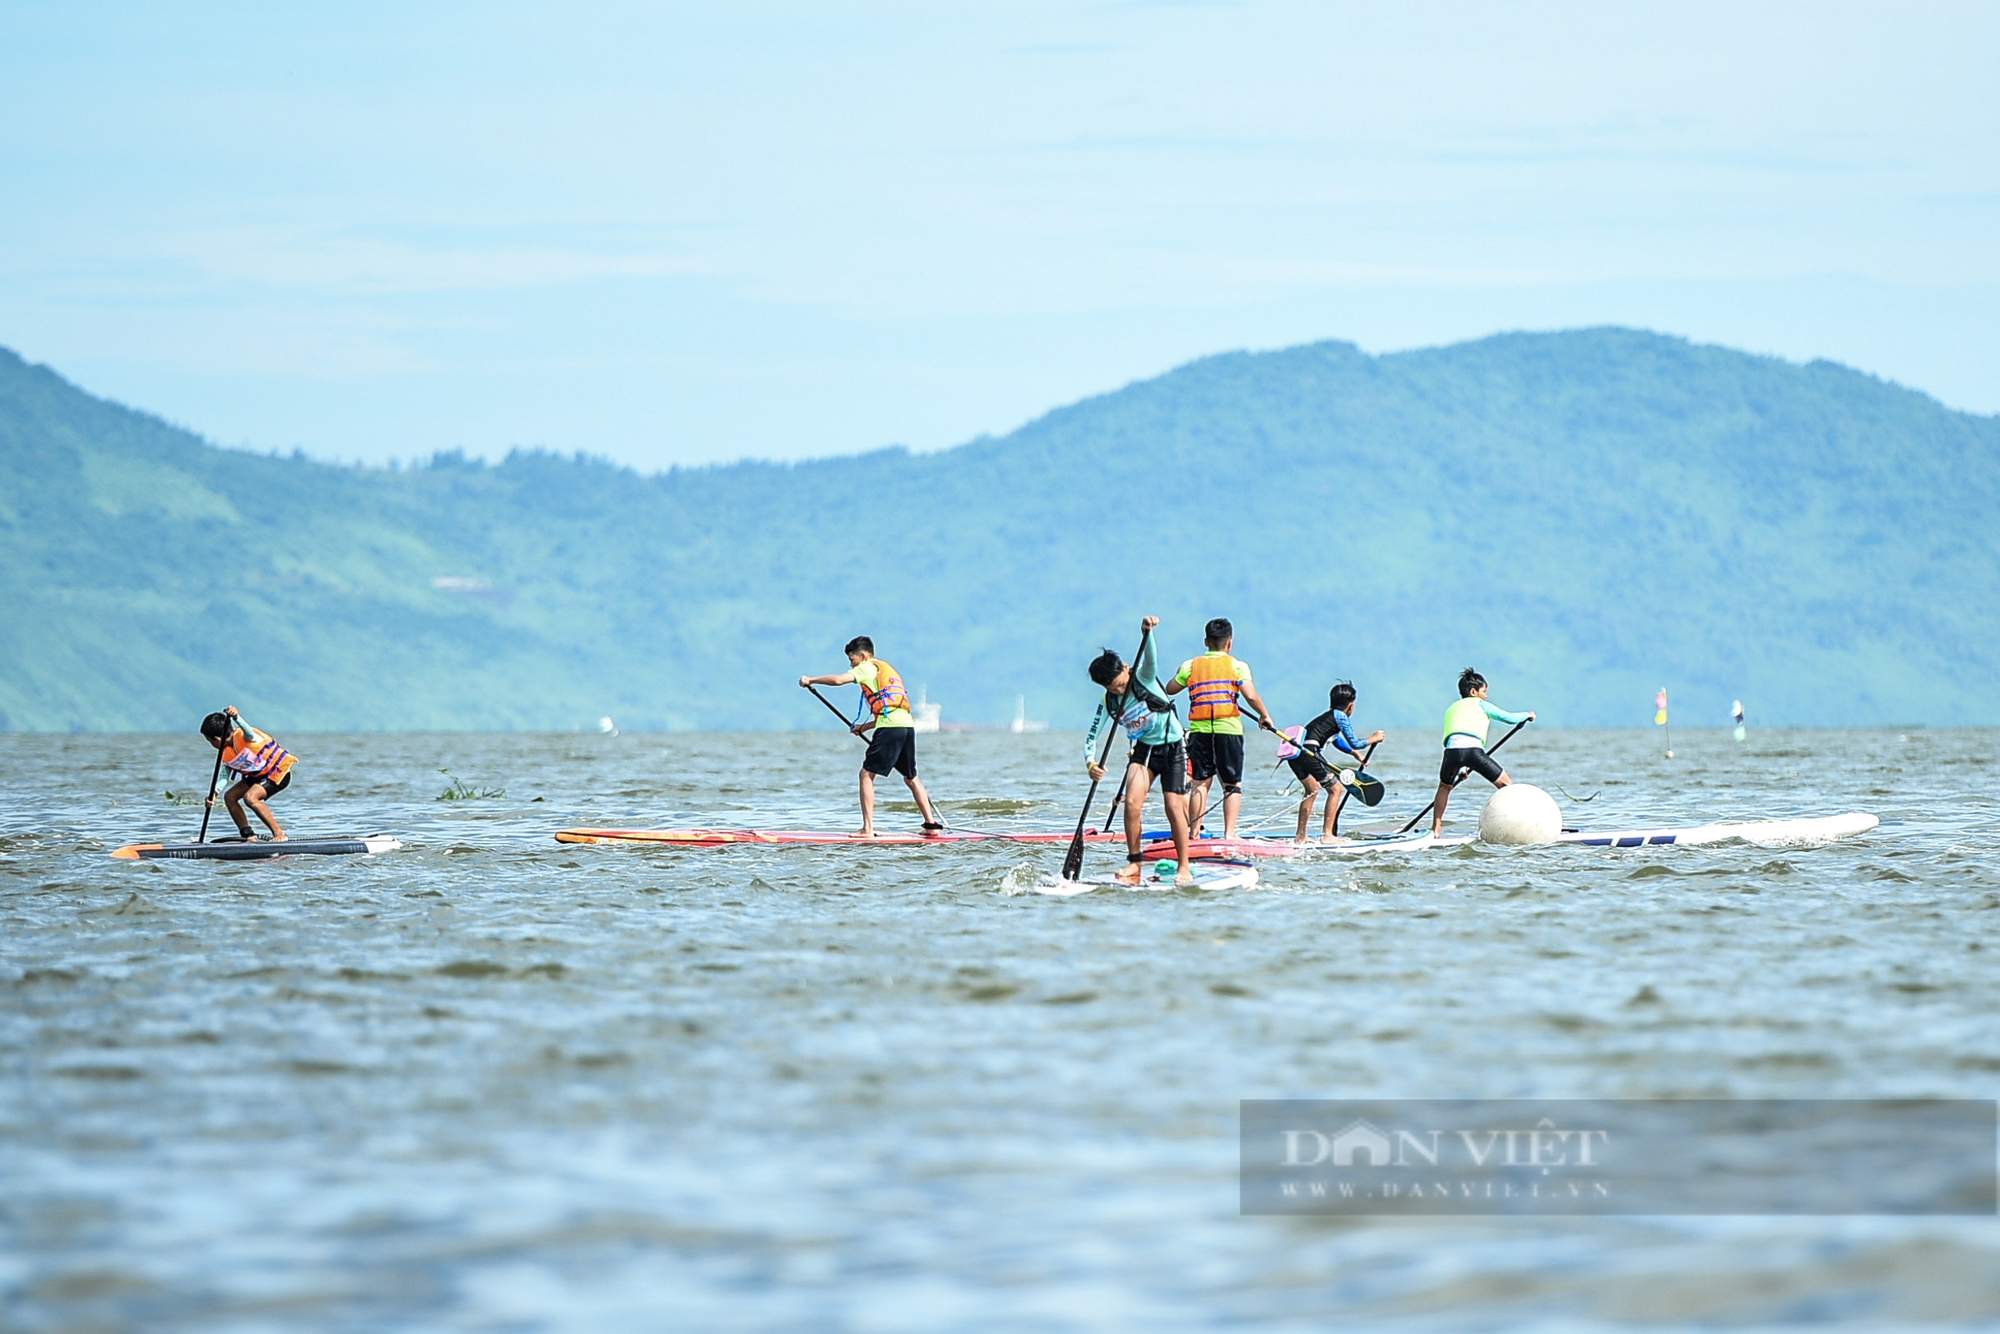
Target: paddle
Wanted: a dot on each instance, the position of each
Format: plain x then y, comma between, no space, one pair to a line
1072,867
208,807
1364,784
1461,777
838,714
935,810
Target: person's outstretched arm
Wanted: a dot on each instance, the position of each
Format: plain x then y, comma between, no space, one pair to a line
1147,669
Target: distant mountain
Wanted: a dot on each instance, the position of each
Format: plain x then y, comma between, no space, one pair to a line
1584,516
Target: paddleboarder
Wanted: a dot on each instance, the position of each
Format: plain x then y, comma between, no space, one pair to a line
1311,767
894,745
1465,741
264,766
1215,682
1135,700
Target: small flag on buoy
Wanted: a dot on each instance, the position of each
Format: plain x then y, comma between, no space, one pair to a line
1660,719
1736,712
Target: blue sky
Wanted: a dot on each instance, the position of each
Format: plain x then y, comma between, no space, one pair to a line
681,234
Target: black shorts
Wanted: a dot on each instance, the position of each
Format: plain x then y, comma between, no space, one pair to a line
1474,758
892,748
1168,761
1216,754
270,789
1310,764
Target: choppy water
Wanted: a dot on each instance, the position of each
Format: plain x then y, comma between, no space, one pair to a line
496,1083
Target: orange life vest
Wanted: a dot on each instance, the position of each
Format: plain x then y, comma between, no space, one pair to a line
1212,686
258,756
889,692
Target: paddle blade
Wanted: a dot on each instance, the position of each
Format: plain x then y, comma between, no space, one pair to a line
1072,867
1369,788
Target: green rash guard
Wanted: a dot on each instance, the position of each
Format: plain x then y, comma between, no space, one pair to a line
1141,724
1465,722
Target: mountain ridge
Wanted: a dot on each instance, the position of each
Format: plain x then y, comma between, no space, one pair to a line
1585,515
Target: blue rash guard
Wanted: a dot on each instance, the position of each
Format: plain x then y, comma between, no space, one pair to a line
1141,724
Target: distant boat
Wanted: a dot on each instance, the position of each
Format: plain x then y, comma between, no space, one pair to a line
1021,723
927,714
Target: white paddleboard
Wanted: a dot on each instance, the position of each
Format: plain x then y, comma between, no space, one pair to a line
1207,875
1810,832
1806,833
1350,845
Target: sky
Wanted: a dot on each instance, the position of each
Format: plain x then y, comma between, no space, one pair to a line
682,234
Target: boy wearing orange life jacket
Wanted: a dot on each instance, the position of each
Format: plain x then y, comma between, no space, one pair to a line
1215,722
894,745
264,769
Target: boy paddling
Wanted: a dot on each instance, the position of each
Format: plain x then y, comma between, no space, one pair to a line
1310,765
1214,681
264,766
894,745
1465,741
1134,699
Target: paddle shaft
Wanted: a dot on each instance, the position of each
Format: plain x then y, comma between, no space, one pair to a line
1366,756
838,714
1461,777
208,807
1072,866
1336,800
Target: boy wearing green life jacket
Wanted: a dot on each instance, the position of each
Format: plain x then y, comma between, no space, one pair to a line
894,745
262,767
1465,741
1214,681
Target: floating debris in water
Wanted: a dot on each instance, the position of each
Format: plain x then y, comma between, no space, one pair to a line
460,790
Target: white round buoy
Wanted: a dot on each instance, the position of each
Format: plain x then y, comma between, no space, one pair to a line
1519,814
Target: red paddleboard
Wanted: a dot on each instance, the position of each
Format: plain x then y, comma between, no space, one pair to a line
1232,849
721,838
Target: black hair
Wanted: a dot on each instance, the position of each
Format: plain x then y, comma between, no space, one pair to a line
860,644
216,727
1104,668
1341,697
1469,681
1218,632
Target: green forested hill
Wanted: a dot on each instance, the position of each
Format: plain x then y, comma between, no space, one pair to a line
1585,516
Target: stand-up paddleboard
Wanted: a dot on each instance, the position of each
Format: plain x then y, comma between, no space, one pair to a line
1813,831
1810,832
1348,845
1232,849
250,852
1160,875
721,838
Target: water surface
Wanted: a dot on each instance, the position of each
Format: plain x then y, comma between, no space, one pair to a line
493,1082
